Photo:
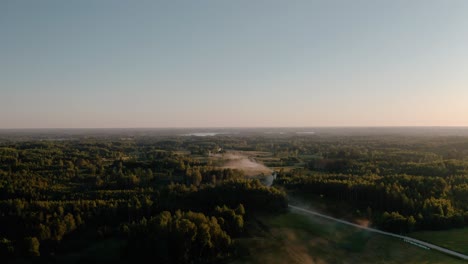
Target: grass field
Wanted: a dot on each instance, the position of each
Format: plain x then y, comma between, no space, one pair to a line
454,239
103,251
296,238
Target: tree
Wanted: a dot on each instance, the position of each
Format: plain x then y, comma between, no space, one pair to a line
6,248
69,221
240,210
411,223
32,246
196,178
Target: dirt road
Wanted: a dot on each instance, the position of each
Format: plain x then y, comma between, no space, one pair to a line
410,240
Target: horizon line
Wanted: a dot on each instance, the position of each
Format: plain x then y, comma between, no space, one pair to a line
232,127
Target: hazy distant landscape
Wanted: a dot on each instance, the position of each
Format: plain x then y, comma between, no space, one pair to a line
66,134
81,196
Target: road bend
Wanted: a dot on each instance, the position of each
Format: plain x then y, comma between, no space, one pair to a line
405,238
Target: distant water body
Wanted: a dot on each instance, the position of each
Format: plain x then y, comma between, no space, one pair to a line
306,133
202,134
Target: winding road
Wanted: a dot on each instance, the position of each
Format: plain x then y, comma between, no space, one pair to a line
410,240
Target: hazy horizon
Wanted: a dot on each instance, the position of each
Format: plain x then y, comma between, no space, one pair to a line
234,127
238,127
233,64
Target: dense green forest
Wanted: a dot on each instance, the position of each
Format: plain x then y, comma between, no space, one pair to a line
402,184
162,196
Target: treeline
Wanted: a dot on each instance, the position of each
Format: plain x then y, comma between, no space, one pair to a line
255,196
52,192
49,222
386,167
184,237
398,203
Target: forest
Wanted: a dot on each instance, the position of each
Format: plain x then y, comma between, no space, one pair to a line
162,196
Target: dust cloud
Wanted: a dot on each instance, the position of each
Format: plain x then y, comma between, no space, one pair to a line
249,165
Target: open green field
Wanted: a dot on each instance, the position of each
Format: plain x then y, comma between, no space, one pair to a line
454,239
296,238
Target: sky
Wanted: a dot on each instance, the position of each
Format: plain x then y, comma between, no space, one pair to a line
242,63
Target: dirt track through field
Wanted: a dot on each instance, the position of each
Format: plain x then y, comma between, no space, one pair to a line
410,240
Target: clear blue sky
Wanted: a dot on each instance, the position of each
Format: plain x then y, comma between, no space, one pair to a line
233,63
